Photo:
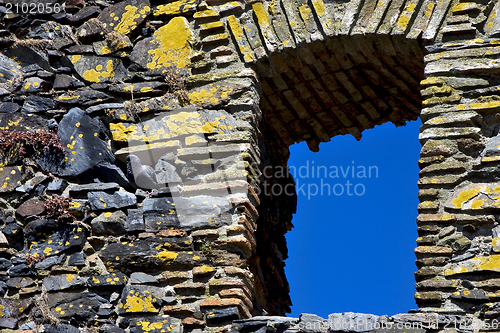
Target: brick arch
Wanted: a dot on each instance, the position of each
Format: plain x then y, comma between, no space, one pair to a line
352,71
330,68
325,69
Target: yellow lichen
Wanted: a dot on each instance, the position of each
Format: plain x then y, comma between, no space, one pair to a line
138,303
129,18
173,45
465,196
165,255
95,75
206,269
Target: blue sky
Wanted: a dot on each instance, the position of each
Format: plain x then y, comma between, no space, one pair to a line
355,252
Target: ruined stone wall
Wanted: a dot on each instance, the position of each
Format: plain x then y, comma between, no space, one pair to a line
138,138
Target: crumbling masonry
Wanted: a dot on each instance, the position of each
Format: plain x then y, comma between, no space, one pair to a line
211,93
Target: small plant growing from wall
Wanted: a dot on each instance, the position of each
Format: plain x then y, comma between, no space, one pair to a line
15,145
206,248
177,86
57,208
31,260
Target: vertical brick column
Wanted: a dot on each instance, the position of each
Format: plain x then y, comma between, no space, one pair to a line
457,253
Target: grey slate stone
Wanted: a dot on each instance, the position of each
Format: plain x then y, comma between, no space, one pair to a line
35,104
77,190
135,220
103,200
76,259
114,224
166,173
310,323
9,107
57,185
87,150
49,262
63,282
352,322
142,278
108,172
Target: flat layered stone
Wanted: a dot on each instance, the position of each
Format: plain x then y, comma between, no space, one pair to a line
112,280
175,8
13,308
473,296
433,250
425,273
141,299
160,214
475,219
9,107
154,324
109,223
9,69
20,282
79,134
135,220
82,97
490,284
117,200
492,149
352,322
449,166
169,48
33,206
152,88
11,177
58,242
142,278
438,147
475,197
63,282
35,104
480,264
441,180
466,118
428,297
437,283
492,25
63,81
218,93
84,305
151,254
126,16
450,133
98,69
170,125
28,57
76,190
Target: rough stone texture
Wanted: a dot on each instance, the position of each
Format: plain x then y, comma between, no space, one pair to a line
208,96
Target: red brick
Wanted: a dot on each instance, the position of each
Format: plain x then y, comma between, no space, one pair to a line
177,310
190,321
236,293
172,233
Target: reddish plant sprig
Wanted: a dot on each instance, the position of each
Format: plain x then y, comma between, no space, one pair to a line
35,140
31,259
57,207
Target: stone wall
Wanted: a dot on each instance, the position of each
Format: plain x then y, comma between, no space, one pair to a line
138,139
